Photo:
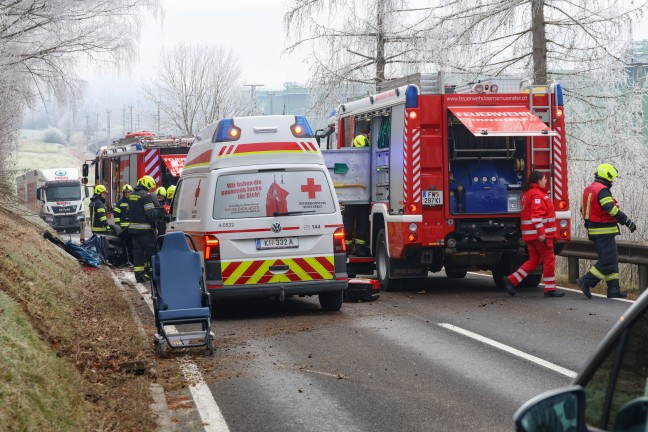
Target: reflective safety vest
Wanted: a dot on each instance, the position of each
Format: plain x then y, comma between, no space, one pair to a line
599,222
538,216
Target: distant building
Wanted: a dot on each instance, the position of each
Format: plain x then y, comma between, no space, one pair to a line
292,99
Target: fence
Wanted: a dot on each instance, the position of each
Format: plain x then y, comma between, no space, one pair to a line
630,252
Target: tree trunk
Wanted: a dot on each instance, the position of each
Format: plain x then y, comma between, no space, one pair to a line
380,43
539,36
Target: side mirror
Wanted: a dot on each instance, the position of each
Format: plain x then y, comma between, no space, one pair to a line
39,194
87,193
555,410
85,169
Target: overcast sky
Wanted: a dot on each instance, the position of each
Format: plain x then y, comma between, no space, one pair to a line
253,29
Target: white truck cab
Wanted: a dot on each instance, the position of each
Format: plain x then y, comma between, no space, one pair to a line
56,195
258,200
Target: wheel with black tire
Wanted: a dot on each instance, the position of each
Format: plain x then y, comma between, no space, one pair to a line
210,345
456,274
331,301
161,349
383,265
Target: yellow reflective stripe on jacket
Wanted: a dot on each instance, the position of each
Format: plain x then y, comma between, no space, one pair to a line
603,231
586,210
103,218
605,200
149,206
614,211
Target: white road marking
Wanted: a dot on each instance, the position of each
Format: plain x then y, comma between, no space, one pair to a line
510,350
210,413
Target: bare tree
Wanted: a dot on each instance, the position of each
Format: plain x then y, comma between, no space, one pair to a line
41,42
360,41
537,35
196,85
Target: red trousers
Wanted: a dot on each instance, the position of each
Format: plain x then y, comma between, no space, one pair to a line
539,252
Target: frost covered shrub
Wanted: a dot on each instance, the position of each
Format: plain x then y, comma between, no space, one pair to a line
53,135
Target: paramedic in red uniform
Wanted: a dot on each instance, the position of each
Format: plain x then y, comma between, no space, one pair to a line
602,216
538,225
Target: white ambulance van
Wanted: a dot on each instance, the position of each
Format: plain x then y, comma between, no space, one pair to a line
258,200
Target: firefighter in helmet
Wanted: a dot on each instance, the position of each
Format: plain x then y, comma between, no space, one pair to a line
602,216
170,193
162,201
98,216
356,216
144,214
362,140
121,219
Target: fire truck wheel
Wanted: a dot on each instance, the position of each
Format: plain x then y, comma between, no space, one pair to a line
331,301
383,265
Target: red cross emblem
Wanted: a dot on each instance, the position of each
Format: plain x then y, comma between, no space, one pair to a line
197,194
311,187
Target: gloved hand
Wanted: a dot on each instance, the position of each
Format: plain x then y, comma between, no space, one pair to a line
631,225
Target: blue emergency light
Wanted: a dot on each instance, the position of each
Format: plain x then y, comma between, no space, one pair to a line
559,94
411,97
226,131
301,128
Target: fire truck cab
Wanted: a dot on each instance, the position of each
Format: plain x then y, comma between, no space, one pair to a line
444,173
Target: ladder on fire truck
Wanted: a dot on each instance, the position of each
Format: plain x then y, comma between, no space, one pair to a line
544,112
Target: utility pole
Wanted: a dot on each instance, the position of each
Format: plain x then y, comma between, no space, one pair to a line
124,121
131,117
97,129
108,124
252,88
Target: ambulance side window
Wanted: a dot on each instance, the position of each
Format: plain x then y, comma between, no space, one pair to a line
187,198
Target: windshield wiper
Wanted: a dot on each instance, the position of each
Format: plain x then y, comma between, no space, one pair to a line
291,213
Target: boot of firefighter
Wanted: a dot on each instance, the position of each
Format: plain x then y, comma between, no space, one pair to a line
614,290
362,250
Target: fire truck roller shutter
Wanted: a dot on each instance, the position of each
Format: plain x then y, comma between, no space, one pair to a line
501,121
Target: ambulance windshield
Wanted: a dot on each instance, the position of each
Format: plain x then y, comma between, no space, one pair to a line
272,193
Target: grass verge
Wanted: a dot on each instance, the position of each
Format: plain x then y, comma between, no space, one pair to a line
64,337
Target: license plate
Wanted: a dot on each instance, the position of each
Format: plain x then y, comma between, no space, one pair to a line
432,198
277,243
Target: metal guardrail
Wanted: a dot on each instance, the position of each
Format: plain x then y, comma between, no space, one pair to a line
630,252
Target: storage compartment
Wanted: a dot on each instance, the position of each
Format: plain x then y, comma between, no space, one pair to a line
486,173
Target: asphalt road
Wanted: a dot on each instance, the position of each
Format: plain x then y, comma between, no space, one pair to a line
410,361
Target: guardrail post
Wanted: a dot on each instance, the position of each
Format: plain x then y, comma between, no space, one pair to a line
573,269
643,277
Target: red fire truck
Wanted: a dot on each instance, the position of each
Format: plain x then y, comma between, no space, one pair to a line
444,172
139,154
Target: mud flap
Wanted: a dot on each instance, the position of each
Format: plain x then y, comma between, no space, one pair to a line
403,269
